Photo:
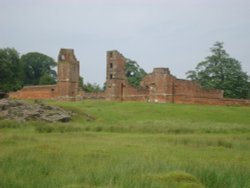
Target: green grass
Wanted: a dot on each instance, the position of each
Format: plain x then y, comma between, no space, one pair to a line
129,145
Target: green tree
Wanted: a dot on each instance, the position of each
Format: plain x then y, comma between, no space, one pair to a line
81,86
10,70
38,69
220,71
248,95
134,73
47,79
92,88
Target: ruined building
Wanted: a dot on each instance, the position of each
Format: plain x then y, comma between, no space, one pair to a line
67,81
68,74
160,86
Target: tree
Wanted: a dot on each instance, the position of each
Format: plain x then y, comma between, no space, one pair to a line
81,86
89,88
134,73
92,87
220,71
38,69
47,79
248,94
10,70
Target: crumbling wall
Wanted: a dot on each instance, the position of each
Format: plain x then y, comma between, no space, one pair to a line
115,76
164,87
94,95
67,84
35,92
211,101
134,94
160,85
117,86
68,74
193,89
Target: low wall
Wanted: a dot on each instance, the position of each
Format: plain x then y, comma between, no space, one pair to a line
130,94
93,95
160,98
193,89
35,92
236,102
133,94
211,101
138,98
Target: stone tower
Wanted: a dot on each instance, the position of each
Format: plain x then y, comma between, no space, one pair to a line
68,74
115,75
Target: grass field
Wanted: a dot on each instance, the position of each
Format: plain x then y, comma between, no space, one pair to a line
129,145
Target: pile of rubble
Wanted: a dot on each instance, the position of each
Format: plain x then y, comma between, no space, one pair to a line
25,111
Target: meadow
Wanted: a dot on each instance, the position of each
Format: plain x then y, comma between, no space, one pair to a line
129,145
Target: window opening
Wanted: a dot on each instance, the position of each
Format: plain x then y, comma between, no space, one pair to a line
110,54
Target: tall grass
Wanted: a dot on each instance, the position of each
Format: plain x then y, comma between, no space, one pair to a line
111,160
129,145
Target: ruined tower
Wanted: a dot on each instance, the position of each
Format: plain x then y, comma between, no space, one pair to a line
68,74
115,75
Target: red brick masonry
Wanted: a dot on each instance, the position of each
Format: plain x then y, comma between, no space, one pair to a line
67,84
159,86
35,92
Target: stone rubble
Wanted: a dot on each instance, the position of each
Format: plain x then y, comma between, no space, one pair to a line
24,111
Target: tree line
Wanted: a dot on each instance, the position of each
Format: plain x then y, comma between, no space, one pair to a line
29,69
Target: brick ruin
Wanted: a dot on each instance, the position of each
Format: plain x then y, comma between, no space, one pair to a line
67,81
160,86
68,74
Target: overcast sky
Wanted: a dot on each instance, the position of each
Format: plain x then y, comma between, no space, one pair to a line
176,34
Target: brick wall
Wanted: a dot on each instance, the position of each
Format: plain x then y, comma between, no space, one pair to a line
159,86
211,101
35,92
115,76
133,94
193,89
68,74
94,95
67,84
